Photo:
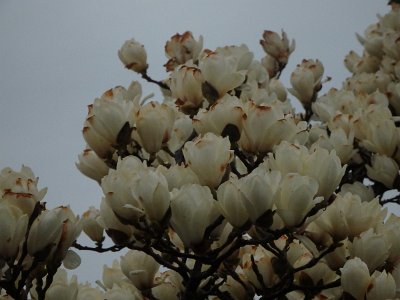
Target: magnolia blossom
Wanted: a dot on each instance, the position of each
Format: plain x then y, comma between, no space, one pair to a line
181,132
105,119
372,248
231,203
185,84
306,80
221,73
193,210
133,55
295,198
258,190
154,123
62,287
117,189
278,47
20,189
384,169
181,48
212,149
53,231
150,188
140,268
226,111
178,175
118,232
265,126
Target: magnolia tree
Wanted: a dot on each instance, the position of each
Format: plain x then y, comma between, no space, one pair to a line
221,190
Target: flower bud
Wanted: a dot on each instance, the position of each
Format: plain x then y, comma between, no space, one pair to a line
213,149
154,123
306,81
91,165
91,225
276,46
133,55
140,268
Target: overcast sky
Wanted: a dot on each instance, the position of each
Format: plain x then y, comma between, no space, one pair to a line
57,56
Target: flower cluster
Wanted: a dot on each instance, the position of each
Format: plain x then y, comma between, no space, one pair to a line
222,190
34,241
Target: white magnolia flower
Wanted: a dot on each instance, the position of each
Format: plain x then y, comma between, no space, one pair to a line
62,288
117,188
226,111
193,210
221,73
212,149
258,191
150,188
295,198
154,123
265,126
133,55
372,248
231,203
178,175
106,117
140,268
185,84
355,278
20,189
383,169
182,48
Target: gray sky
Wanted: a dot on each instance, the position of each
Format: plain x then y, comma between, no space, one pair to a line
57,56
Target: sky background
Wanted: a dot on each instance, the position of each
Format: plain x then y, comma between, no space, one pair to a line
57,56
